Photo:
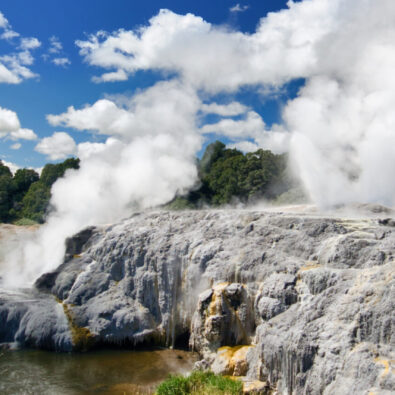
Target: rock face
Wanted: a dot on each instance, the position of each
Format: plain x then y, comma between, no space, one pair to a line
303,303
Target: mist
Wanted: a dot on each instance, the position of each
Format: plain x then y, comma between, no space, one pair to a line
339,129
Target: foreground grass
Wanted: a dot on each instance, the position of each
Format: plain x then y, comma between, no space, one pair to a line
199,383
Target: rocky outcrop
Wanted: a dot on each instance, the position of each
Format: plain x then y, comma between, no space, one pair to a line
296,303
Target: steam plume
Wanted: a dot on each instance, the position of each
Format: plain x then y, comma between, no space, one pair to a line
340,127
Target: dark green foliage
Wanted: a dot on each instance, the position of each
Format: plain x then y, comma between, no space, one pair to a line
228,175
21,182
35,202
180,203
200,383
5,192
26,196
213,152
52,172
4,170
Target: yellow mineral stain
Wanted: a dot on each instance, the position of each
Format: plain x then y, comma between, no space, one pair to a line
236,359
387,363
309,266
82,337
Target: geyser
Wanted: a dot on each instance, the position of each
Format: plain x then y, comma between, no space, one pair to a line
339,128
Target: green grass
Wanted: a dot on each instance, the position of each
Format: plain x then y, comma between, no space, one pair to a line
25,222
200,383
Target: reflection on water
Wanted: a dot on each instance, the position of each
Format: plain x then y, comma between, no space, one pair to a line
101,372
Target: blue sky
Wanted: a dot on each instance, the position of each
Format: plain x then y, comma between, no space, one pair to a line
58,24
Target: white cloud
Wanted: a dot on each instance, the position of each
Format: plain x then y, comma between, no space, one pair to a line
16,146
9,121
168,107
23,134
29,43
55,53
13,68
244,146
119,75
281,48
10,127
104,117
341,123
226,110
9,35
58,146
3,21
239,8
61,62
55,45
251,126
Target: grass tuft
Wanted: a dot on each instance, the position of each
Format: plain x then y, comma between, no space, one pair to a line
200,383
25,222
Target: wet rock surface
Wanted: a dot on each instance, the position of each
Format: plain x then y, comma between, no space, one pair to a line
311,298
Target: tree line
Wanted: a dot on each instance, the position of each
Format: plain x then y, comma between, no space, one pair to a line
228,176
225,176
26,194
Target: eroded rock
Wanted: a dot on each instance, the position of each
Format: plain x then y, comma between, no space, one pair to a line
314,296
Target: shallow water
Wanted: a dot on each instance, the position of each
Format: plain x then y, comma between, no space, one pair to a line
100,372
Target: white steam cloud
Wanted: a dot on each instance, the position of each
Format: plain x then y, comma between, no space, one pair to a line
130,171
340,129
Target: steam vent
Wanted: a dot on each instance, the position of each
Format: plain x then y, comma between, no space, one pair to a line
288,303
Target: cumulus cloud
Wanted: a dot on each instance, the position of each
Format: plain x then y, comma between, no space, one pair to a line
148,158
16,146
250,126
3,21
9,121
7,33
10,127
119,75
226,110
340,124
58,146
239,8
23,134
168,107
61,62
281,48
29,43
245,146
13,66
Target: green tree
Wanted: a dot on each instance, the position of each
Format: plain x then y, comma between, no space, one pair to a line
35,203
213,152
5,192
20,184
228,174
51,172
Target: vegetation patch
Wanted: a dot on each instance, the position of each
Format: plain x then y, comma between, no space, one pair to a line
200,383
82,337
227,176
25,222
26,194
